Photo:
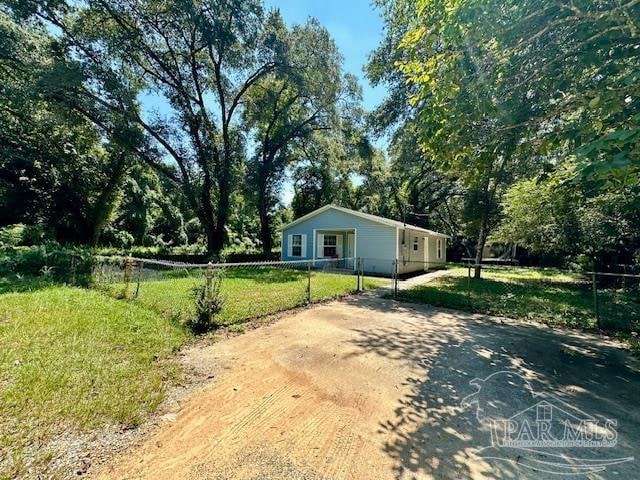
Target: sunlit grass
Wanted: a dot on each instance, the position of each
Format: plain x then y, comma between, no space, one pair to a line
247,293
74,359
548,295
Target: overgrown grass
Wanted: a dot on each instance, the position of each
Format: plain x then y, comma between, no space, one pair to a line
547,295
73,359
247,293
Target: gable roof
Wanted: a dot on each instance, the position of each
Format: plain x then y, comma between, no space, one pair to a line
367,216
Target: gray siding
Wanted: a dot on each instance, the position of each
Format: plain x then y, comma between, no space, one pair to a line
375,243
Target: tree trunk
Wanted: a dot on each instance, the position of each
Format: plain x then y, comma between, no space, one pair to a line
263,205
107,200
224,204
482,240
265,221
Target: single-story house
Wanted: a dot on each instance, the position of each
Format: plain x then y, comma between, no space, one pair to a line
333,232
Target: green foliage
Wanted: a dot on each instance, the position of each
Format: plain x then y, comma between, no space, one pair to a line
567,220
12,235
286,107
67,265
209,302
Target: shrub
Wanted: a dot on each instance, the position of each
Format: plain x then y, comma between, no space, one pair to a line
11,235
25,235
208,305
66,265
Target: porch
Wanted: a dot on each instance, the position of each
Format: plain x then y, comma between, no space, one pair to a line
336,246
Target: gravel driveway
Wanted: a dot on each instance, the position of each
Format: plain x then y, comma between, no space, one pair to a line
367,388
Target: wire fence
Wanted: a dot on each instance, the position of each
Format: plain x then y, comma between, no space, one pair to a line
607,301
246,290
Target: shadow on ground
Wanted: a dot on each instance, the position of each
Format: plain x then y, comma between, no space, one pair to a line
435,437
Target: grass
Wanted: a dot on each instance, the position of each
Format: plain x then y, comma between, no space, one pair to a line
547,295
75,359
247,293
72,360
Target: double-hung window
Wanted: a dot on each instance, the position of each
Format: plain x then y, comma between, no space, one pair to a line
330,246
415,244
439,248
296,245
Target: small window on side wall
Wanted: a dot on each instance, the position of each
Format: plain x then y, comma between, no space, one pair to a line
296,245
439,249
416,244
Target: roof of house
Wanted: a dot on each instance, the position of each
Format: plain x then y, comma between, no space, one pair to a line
368,216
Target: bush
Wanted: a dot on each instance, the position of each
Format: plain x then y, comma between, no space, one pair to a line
208,305
66,265
24,235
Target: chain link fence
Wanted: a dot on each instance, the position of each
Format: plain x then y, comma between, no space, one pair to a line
606,301
247,290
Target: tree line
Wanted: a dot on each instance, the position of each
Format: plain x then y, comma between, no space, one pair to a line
508,122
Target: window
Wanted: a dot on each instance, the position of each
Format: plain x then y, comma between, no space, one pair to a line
296,245
415,244
330,247
439,248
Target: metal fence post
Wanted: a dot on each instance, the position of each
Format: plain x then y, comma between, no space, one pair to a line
128,270
395,277
469,283
357,275
595,300
309,282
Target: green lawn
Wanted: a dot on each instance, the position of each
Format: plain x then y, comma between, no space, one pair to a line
548,295
73,359
248,293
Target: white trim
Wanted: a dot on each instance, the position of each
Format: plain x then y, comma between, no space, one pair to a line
367,216
314,243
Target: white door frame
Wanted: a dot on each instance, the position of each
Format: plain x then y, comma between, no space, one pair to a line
348,230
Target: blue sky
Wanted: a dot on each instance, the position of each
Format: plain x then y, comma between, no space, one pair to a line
357,29
355,25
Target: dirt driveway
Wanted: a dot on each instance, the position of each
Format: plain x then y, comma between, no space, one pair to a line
366,388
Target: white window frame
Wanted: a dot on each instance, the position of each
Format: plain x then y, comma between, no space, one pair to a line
325,245
416,244
439,248
295,244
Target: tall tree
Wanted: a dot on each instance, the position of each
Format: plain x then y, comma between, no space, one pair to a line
289,105
497,87
197,58
56,168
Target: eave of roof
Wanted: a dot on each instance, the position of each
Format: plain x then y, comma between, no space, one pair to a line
367,216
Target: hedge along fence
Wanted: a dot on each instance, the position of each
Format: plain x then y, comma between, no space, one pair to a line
66,265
